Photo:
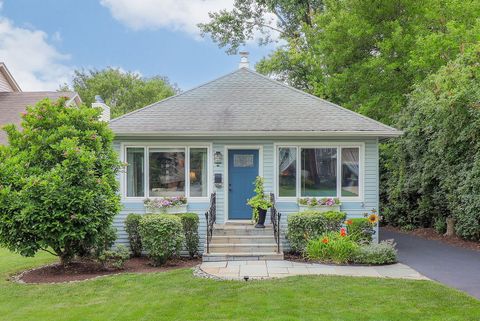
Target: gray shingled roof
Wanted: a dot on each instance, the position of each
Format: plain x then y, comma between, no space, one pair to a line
246,102
12,104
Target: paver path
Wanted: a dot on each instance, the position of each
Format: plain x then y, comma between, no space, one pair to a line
454,266
237,270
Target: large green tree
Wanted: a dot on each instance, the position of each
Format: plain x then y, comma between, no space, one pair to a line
58,187
265,19
365,55
433,170
122,91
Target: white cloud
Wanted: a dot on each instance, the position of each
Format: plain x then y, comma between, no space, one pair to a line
178,15
35,64
182,15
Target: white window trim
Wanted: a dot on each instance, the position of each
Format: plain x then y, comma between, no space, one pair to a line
338,145
147,146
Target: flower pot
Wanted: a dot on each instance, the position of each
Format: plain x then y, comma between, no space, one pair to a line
167,210
262,214
319,208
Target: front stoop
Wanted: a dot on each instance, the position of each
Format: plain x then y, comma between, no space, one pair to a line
242,242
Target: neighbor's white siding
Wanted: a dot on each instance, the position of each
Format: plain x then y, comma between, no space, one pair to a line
4,85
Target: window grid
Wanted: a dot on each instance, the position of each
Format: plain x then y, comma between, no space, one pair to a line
147,170
339,149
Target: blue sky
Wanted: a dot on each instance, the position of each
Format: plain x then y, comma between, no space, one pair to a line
43,41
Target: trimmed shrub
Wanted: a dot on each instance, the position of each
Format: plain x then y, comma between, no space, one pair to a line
132,224
381,253
332,247
360,230
308,225
115,258
190,231
162,236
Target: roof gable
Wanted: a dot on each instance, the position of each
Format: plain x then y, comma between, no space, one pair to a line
246,102
7,82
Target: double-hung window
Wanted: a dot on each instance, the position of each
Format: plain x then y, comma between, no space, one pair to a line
311,171
166,171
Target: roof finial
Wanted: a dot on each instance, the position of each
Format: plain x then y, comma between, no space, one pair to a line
244,60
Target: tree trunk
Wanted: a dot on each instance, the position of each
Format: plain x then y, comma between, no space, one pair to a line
450,227
64,256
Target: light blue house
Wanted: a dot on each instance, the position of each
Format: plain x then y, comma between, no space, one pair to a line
217,137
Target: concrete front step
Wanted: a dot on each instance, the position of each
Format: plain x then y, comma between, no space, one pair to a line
242,248
232,230
255,256
242,239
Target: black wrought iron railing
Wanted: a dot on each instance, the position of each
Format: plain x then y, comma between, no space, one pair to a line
211,217
275,218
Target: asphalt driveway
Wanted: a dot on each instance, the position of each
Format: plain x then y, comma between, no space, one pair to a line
456,267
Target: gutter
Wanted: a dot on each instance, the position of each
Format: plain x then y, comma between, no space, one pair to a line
382,134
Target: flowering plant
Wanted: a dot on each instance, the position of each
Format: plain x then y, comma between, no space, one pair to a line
336,247
165,202
362,229
312,201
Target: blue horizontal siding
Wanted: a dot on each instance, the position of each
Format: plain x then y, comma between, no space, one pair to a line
353,209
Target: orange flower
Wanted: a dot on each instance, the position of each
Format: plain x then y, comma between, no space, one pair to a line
349,222
343,232
325,240
373,218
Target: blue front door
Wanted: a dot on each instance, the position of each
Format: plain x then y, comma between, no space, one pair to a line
242,171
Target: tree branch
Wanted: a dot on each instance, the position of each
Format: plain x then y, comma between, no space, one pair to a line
279,16
258,24
48,251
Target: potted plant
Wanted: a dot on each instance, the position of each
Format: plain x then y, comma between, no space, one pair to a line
259,203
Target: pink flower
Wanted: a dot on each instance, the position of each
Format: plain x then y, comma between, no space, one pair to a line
330,202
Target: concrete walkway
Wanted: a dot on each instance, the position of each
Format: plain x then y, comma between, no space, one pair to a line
454,266
237,270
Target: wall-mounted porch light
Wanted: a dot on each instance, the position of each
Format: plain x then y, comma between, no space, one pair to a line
217,157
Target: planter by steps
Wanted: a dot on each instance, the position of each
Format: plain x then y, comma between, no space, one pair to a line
262,215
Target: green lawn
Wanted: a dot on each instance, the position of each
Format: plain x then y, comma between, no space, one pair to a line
177,295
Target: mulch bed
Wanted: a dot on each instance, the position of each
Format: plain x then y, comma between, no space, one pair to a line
431,234
295,257
84,270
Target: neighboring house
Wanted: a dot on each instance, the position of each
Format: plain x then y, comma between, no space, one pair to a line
220,135
14,101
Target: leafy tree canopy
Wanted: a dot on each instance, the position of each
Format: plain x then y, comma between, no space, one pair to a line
58,188
433,170
122,91
250,18
364,55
